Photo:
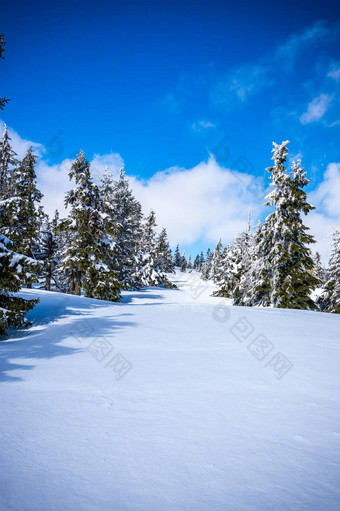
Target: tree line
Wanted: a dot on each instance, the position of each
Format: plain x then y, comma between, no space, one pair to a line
103,246
273,266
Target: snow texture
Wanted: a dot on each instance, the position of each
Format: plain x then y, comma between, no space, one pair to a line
193,413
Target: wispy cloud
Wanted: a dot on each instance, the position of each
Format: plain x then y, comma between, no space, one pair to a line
334,71
326,216
297,42
248,80
316,109
202,125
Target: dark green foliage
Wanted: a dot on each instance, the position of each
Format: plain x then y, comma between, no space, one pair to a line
14,270
126,214
286,268
150,270
87,258
49,250
177,259
163,251
8,159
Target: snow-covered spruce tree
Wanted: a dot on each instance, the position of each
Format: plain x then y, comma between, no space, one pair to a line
177,259
232,274
197,263
254,265
163,251
202,260
22,213
49,250
86,258
184,263
8,159
244,257
330,301
207,265
219,270
286,274
149,270
216,261
225,279
14,271
318,270
27,215
189,262
126,214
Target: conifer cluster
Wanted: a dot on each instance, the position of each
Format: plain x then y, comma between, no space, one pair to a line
103,246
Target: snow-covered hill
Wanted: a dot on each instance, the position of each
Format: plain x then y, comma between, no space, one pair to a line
170,401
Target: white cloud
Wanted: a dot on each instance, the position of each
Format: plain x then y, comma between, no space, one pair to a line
334,71
20,145
326,216
202,125
204,203
316,109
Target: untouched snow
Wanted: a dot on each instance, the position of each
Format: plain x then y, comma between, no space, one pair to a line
197,423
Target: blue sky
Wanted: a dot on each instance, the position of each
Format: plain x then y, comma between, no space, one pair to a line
166,84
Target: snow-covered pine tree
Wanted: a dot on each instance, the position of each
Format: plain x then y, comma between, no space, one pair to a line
48,250
232,275
330,301
64,277
22,213
256,260
27,215
184,263
110,219
163,251
197,263
15,269
189,262
301,265
126,214
318,270
216,261
177,259
220,271
225,279
202,260
286,275
243,253
86,258
8,159
149,270
207,265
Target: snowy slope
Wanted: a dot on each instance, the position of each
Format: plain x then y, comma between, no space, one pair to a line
196,416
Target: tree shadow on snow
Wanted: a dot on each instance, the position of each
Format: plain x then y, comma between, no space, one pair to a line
44,339
150,293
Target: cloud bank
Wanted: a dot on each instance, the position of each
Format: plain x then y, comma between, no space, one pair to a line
202,203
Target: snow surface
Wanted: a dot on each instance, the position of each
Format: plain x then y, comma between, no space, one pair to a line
197,423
